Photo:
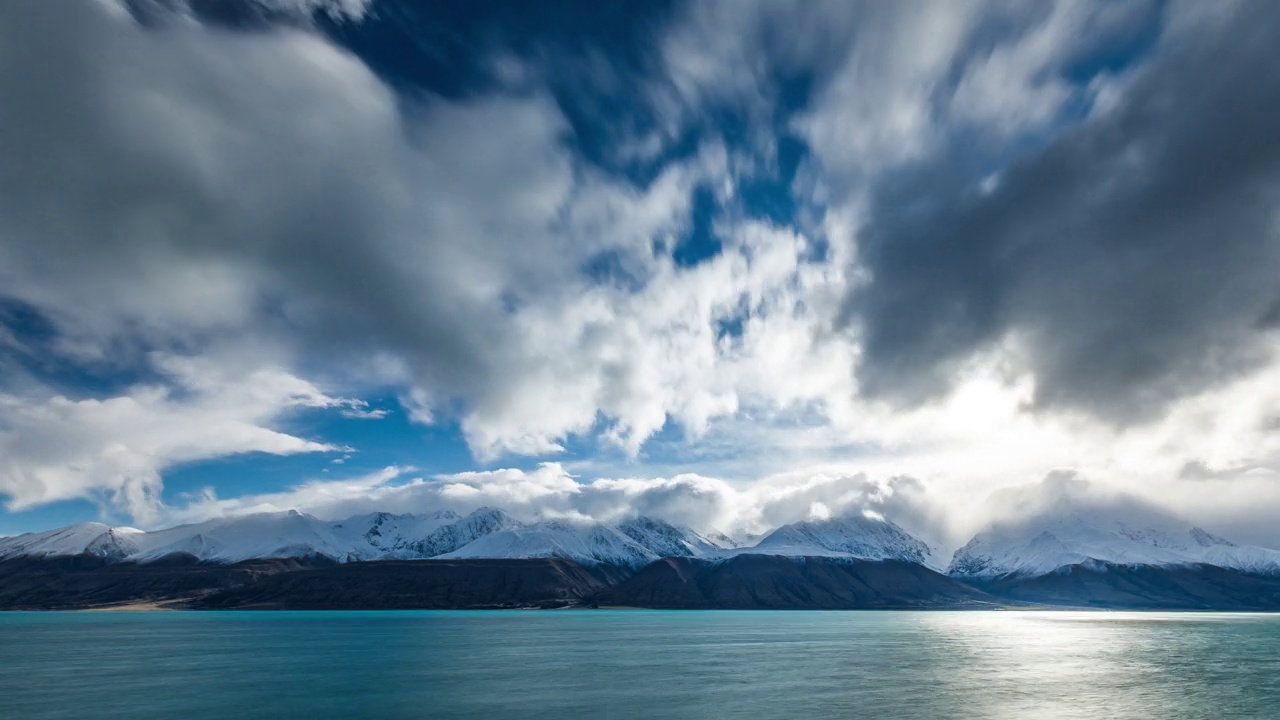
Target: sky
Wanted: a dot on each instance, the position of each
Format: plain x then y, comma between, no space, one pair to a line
733,264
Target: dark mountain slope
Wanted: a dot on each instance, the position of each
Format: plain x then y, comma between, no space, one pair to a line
1143,587
85,581
424,584
791,583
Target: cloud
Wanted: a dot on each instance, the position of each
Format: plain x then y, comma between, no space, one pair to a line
1009,221
116,449
878,108
942,514
191,188
1023,80
186,185
1126,264
550,491
360,410
1064,491
277,189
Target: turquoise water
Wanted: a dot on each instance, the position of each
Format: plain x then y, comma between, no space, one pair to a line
638,664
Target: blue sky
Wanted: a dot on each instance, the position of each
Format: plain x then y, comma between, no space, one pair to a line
740,262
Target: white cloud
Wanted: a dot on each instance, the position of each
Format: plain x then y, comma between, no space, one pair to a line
879,108
180,188
318,496
1215,460
57,448
272,190
360,410
549,491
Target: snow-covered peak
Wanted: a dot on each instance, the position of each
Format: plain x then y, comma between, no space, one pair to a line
484,533
1206,539
372,536
450,537
1120,533
666,540
722,540
386,535
244,537
582,542
91,538
858,535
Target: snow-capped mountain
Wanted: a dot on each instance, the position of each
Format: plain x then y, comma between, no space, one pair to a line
457,535
1071,532
1074,533
584,542
229,540
726,542
485,533
91,538
666,540
392,536
631,543
375,536
857,535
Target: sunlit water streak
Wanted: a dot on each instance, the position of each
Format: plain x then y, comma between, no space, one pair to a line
639,664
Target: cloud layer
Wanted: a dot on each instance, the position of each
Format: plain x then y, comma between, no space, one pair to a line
764,259
550,491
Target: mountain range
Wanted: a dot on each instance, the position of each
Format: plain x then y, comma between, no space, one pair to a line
1071,554
485,533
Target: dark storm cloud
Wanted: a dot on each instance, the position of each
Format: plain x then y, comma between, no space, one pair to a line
1135,258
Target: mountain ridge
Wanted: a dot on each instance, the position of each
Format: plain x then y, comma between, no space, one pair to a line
1070,555
1074,533
857,535
483,533
1066,534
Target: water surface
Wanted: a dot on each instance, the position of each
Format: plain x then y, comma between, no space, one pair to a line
639,664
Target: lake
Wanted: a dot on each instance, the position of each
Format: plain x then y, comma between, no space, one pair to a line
638,664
